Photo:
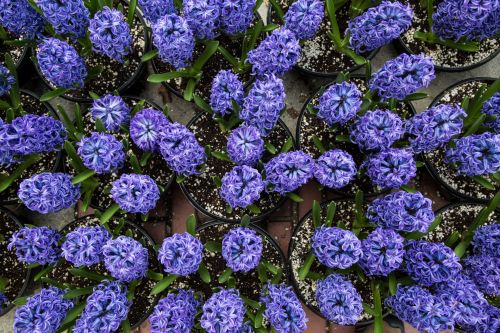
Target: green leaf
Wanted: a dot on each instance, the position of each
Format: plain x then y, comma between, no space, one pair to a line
342,138
20,301
149,55
254,209
72,131
429,37
189,91
53,94
332,208
288,145
368,309
81,177
358,202
208,52
108,214
154,275
262,272
475,125
484,182
125,325
408,189
415,97
132,5
202,104
270,148
163,284
250,302
99,126
204,273
43,272
304,270
316,214
7,181
180,178
93,95
294,197
317,142
452,239
392,283
191,225
270,267
217,181
377,302
159,78
75,159
73,313
225,275
213,246
74,293
228,56
220,155
259,318
279,11
245,221
137,107
134,162
15,97
82,272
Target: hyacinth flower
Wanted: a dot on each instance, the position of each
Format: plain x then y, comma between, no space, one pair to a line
6,80
287,172
379,26
223,312
146,128
383,252
135,193
488,323
84,245
335,169
112,111
175,313
153,10
484,271
43,312
202,17
226,90
125,258
391,168
335,247
36,245
181,254
101,152
376,130
491,108
486,240
245,145
19,18
304,17
69,17
339,103
242,249
235,15
241,187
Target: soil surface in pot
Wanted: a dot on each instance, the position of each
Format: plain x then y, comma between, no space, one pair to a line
143,302
47,162
248,284
15,51
10,268
442,55
310,126
202,190
462,185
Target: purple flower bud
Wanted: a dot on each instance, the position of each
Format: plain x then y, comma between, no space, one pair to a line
491,107
377,130
484,270
339,103
175,313
242,249
20,18
276,54
335,169
125,259
48,192
36,245
181,254
391,168
68,17
241,187
304,17
6,80
101,152
288,171
402,76
338,300
235,15
202,17
245,145
83,246
135,193
487,240
112,111
335,247
226,89
156,9
223,312
61,64
146,128
383,251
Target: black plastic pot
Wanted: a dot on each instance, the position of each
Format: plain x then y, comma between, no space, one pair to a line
203,210
450,192
27,278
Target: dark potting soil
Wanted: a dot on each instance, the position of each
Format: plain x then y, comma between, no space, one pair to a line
10,268
143,302
47,161
202,189
248,284
309,126
15,51
463,185
442,55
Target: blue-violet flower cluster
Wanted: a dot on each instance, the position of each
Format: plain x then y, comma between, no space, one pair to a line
335,247
18,17
6,80
339,103
202,17
242,249
491,107
36,245
146,128
101,152
391,168
304,17
125,258
377,130
135,193
484,270
175,313
235,15
181,254
487,240
288,171
112,111
223,312
241,187
245,146
83,246
335,169
383,252
156,9
68,17
226,89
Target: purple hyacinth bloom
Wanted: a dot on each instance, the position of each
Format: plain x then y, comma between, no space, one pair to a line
391,168
484,270
288,171
283,309
264,103
489,323
146,128
487,240
101,152
6,80
223,312
68,17
3,300
421,309
235,15
383,252
125,258
226,89
402,211
32,134
241,187
135,193
377,130
430,263
304,17
83,246
181,254
335,247
335,169
174,40
202,17
61,64
339,103
110,34
472,20
6,154
175,313
491,107
156,9
181,150
42,312
338,300
434,127
36,245
105,309
475,155
245,146
18,17
112,111
48,192
379,25
276,54
242,249
402,76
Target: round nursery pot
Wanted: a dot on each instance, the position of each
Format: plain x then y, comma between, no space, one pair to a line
309,127
201,189
248,284
319,58
143,303
17,273
155,165
445,58
299,249
115,76
18,53
48,162
456,186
